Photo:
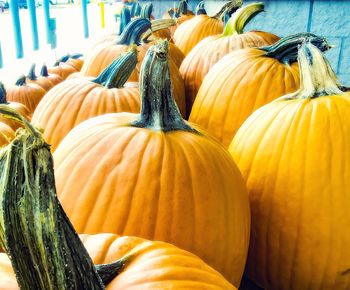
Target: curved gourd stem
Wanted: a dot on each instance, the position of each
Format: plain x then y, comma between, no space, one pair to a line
317,77
75,55
44,72
134,31
138,9
21,81
241,18
229,7
119,71
125,18
31,74
286,49
200,10
3,99
159,111
44,249
157,25
182,9
146,11
62,59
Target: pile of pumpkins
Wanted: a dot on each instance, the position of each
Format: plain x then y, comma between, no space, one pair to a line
204,152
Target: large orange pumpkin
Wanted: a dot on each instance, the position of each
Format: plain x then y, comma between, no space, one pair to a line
154,265
192,31
245,80
294,154
154,176
20,108
211,49
28,94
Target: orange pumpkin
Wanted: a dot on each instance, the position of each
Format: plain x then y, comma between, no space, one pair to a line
294,154
153,265
211,49
17,106
192,31
198,201
6,134
45,80
67,65
251,78
28,94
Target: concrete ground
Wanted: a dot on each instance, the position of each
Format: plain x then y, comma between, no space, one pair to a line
70,36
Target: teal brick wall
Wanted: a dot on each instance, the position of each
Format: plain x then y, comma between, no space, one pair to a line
328,18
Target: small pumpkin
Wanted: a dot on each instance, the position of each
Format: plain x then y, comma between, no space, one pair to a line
45,80
251,78
26,93
197,200
67,65
294,154
212,48
192,31
20,108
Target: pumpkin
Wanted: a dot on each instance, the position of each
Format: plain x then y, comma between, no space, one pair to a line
251,78
102,55
16,106
166,180
45,80
6,134
294,154
212,48
67,65
181,14
26,93
192,31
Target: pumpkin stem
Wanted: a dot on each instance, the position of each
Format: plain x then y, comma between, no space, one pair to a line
45,251
158,24
182,9
75,55
125,18
200,10
241,18
31,74
3,99
317,77
159,111
229,7
108,272
21,81
44,72
62,59
137,9
119,71
146,11
133,32
286,49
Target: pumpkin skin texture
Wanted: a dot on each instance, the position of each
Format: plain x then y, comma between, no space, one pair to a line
6,134
28,94
294,155
212,48
198,203
45,80
250,80
155,265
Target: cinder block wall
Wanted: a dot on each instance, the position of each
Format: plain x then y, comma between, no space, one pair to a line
328,18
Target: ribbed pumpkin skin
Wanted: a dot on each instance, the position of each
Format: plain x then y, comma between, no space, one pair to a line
29,95
20,109
6,134
156,265
236,86
177,187
192,31
77,100
295,158
47,82
63,70
209,51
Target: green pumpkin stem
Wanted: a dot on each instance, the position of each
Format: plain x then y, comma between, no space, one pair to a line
3,99
44,72
159,111
21,81
75,55
119,71
125,18
62,59
241,18
133,32
286,49
200,10
317,77
108,272
146,11
229,7
31,74
182,9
